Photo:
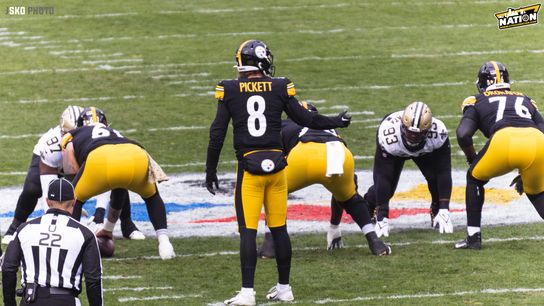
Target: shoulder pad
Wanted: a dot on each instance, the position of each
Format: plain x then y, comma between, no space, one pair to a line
65,140
468,102
220,91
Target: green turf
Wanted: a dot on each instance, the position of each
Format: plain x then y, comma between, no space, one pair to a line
332,50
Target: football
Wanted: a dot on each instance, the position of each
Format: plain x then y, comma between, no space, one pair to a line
106,246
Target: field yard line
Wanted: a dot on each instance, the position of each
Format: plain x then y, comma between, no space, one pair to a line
111,61
103,15
12,173
431,295
160,297
356,246
261,8
138,288
121,276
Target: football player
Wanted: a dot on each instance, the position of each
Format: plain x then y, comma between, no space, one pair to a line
321,157
45,166
515,128
410,134
103,159
255,102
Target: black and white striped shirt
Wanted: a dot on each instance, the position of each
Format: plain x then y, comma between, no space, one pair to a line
53,251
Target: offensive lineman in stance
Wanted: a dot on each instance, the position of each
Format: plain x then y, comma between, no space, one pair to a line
403,135
103,160
321,157
255,102
515,128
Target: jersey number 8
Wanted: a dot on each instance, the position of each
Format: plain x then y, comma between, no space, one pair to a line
256,116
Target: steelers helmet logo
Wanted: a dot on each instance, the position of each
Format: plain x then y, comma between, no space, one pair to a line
260,52
267,165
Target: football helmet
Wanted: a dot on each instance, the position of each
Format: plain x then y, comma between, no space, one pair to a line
254,55
309,106
68,118
492,75
416,122
90,116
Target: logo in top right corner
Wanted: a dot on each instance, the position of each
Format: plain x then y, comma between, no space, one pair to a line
518,17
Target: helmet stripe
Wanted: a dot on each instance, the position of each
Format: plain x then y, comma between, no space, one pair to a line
93,111
239,52
497,72
417,115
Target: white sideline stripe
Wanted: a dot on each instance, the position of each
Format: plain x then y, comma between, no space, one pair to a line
431,295
121,277
358,246
137,289
160,297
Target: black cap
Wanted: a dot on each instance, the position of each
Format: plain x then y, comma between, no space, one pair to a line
60,190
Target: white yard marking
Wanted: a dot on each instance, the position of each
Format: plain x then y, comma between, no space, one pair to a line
160,297
178,75
137,289
112,61
13,173
121,277
431,295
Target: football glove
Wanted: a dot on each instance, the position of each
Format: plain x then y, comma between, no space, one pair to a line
344,118
334,239
518,184
211,179
382,227
442,220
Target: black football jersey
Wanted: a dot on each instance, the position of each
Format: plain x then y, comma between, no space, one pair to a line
87,138
496,109
292,133
256,106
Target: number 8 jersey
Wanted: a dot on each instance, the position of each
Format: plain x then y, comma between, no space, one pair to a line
390,140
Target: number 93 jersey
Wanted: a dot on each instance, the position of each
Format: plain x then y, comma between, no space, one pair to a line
389,137
255,106
48,148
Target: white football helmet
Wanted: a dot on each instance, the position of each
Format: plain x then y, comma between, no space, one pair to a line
68,118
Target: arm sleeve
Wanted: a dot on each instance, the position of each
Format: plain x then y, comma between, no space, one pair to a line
466,129
218,130
92,268
442,162
313,120
10,266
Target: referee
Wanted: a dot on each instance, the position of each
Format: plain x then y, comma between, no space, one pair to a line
54,251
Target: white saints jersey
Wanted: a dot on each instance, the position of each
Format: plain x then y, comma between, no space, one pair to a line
389,137
48,148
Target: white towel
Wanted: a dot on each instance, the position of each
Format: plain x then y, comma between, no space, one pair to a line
335,158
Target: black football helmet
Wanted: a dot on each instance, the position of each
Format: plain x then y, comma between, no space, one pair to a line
90,116
492,75
254,55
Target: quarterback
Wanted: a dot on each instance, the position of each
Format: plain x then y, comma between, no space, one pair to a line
255,102
515,128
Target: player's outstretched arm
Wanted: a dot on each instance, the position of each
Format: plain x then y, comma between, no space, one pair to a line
313,120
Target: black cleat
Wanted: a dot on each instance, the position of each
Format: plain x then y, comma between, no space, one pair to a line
377,246
13,227
98,216
473,242
433,211
266,250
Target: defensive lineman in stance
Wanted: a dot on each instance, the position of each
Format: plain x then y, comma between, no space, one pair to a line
255,103
410,134
515,128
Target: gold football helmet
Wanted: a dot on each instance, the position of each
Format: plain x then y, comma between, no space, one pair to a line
68,118
417,120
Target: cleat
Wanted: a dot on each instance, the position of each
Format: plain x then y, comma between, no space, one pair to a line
276,294
433,211
128,228
242,298
10,233
473,242
376,246
334,239
136,235
7,239
266,250
166,249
